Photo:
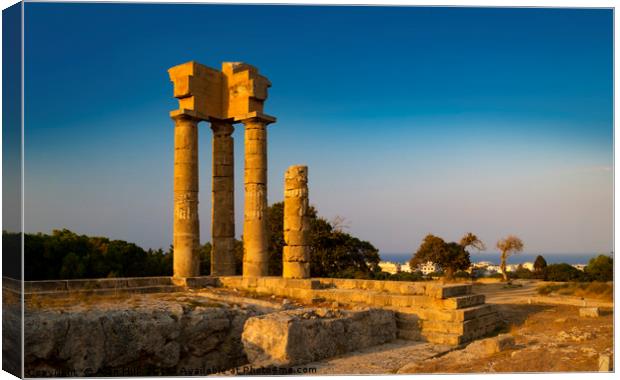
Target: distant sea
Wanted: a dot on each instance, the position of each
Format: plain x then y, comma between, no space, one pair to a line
551,258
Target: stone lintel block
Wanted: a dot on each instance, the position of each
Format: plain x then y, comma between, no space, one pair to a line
247,89
199,88
591,312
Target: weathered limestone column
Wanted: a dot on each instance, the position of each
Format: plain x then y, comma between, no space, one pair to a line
186,233
223,200
296,255
255,234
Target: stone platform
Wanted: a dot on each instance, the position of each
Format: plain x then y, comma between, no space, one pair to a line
424,311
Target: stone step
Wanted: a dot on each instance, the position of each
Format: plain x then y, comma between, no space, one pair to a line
444,314
468,327
443,338
462,302
446,291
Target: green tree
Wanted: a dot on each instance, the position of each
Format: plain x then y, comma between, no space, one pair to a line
563,272
509,246
600,268
539,265
451,257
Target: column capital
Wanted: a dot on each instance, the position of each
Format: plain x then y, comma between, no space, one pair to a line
255,117
186,114
222,127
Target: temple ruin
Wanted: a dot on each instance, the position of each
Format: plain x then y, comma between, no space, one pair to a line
233,95
223,320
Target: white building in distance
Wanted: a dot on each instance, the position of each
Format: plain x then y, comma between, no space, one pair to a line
389,267
428,267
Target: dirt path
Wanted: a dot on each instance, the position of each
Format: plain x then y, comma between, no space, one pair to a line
524,292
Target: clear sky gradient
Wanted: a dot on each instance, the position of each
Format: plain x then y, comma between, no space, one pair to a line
411,120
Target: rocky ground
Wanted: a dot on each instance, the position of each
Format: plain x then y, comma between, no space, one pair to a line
548,337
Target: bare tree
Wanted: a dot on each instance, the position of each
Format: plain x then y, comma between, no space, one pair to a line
471,240
339,223
508,246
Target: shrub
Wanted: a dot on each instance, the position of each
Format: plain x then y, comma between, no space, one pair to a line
600,268
563,272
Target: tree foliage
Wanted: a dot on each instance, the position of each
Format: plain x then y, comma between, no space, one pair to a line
67,255
600,268
451,257
540,264
563,272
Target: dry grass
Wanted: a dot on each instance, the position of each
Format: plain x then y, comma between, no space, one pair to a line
595,290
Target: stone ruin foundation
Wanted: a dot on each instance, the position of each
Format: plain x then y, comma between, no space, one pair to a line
204,324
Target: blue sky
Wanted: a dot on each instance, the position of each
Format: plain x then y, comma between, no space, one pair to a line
412,120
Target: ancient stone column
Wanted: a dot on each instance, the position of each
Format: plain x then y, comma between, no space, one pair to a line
186,233
223,200
255,234
296,255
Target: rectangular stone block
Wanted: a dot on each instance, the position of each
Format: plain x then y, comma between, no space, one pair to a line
296,337
447,291
591,312
463,301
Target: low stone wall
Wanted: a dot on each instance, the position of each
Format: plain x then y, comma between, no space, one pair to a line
434,312
164,338
301,336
